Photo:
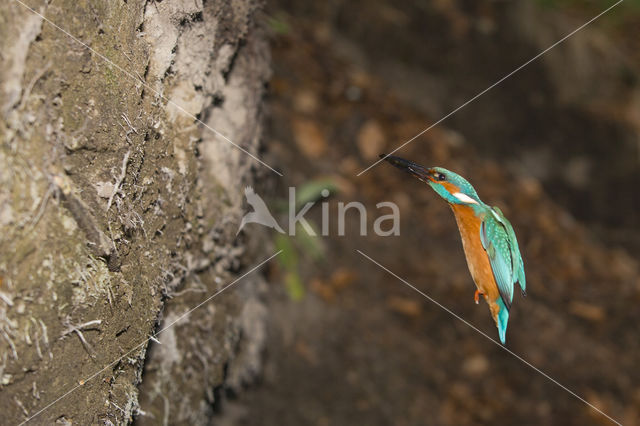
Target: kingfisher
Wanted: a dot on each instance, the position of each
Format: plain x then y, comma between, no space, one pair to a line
488,239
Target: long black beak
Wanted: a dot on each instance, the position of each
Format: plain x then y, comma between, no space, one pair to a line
408,166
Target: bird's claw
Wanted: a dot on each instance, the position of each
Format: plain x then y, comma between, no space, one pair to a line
476,296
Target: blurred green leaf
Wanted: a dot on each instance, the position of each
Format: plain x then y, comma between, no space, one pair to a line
311,244
281,205
279,24
312,191
289,260
293,285
289,257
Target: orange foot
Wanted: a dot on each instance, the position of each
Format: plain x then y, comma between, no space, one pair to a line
476,296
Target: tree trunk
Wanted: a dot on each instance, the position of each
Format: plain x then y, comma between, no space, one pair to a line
118,209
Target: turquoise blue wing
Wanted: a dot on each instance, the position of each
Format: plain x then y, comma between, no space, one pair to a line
495,240
503,318
516,257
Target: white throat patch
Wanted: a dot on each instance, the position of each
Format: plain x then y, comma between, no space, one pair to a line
464,198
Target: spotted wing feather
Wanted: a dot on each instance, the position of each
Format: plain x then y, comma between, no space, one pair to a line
495,240
516,257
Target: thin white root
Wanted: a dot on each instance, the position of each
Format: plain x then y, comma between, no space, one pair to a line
123,173
71,328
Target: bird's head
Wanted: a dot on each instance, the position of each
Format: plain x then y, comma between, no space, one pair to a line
451,186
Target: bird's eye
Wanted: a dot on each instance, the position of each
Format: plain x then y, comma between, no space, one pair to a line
441,177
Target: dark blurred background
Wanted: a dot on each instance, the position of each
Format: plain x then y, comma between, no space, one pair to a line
556,147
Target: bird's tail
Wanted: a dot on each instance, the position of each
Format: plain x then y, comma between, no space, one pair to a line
502,319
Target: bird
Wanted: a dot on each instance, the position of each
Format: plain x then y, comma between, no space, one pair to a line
261,213
488,239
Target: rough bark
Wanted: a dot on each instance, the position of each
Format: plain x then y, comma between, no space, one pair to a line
118,210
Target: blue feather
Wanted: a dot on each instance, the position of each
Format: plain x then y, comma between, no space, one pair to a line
517,263
503,318
495,241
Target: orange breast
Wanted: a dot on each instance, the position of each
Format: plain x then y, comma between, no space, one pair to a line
477,258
